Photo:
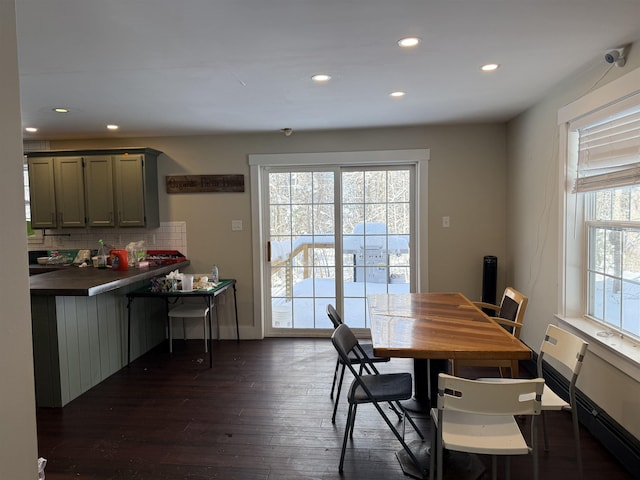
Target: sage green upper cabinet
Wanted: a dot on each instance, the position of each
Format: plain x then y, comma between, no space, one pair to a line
69,186
42,192
136,188
56,188
98,191
95,188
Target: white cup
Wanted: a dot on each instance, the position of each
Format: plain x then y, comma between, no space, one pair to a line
187,283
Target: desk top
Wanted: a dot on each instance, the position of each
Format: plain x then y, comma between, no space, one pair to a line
438,326
221,286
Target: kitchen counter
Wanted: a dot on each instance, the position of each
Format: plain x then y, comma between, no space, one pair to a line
89,281
79,323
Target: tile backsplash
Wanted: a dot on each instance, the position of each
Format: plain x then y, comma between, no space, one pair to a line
169,236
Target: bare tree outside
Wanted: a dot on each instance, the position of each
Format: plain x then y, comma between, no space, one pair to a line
614,259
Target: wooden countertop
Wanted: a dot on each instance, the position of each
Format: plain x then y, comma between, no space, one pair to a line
438,326
89,281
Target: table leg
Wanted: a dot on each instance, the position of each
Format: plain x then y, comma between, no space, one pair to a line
209,304
235,303
435,368
169,324
420,401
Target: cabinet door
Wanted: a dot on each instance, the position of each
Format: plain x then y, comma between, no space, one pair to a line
98,191
69,189
130,194
42,193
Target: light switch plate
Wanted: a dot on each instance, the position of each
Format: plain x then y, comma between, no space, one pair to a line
236,225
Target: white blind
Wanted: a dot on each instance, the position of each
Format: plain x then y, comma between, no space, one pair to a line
609,151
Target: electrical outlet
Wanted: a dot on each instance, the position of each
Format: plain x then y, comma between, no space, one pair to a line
445,222
236,225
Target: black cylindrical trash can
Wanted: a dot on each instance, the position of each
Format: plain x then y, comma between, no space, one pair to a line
489,280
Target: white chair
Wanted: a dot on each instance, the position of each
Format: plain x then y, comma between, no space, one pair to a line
478,417
185,311
569,350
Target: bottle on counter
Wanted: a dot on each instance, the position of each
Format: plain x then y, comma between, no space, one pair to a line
214,274
102,255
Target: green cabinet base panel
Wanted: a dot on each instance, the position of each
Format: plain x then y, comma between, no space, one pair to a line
79,341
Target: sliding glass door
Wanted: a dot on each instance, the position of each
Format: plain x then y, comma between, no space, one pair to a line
335,235
375,211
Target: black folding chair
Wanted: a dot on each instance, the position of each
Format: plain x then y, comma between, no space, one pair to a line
373,388
335,318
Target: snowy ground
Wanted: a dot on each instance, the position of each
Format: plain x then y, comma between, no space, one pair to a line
308,307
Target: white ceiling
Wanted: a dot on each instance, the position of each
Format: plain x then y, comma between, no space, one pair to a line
182,67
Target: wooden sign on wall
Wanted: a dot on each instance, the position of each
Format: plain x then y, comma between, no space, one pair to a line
204,183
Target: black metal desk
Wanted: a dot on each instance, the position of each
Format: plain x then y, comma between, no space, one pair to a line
208,295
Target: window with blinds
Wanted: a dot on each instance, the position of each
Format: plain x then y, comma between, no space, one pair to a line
609,151
608,174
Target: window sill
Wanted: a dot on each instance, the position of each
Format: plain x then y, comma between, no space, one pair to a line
622,353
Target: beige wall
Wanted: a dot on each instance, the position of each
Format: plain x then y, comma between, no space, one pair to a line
466,181
533,231
18,446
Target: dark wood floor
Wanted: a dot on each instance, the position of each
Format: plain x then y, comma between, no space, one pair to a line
262,412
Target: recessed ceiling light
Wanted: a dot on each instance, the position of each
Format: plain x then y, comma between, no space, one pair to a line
397,94
31,129
61,110
112,127
321,77
489,67
408,42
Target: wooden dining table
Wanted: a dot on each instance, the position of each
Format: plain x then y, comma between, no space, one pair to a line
433,328
437,327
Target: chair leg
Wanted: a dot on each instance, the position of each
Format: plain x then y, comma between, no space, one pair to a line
346,434
515,369
413,424
400,438
494,467
507,468
576,435
439,453
335,378
353,419
170,335
204,327
544,431
335,403
432,456
534,448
